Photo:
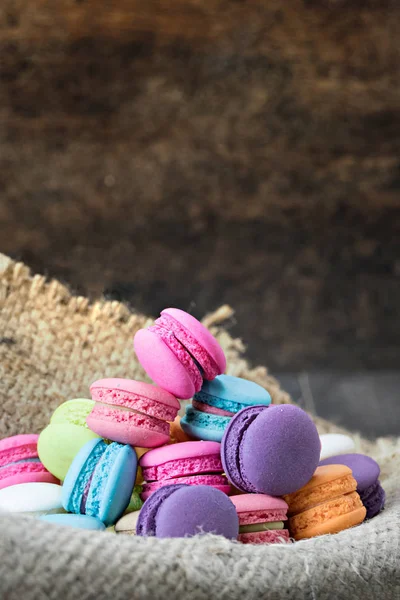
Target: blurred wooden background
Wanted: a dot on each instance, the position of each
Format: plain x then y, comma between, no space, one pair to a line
195,153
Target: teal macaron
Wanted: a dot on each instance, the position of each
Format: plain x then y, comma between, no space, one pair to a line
100,481
217,402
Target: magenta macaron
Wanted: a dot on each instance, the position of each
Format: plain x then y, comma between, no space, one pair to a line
190,463
132,412
19,462
178,352
261,519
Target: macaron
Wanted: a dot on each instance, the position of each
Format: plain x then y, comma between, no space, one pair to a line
217,402
333,444
20,463
132,412
100,481
191,463
273,450
75,521
176,511
127,524
261,519
366,472
32,499
178,352
65,435
328,503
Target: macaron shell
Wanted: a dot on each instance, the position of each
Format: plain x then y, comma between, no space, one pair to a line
59,443
25,472
161,364
216,481
204,426
146,523
128,427
264,465
128,392
183,467
18,447
32,498
196,511
177,452
230,446
234,391
201,335
73,412
333,444
265,537
260,503
75,521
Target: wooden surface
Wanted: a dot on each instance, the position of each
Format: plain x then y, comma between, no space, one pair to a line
195,153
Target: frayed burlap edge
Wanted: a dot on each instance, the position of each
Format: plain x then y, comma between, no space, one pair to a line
52,346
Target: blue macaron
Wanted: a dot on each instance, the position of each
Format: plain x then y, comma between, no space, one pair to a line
75,521
217,402
100,480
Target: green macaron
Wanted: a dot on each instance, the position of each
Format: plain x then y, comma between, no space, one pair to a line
65,435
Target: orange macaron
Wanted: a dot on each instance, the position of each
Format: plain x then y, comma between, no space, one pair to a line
328,503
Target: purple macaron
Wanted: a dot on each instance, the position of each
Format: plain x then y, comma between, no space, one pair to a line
366,472
186,510
273,450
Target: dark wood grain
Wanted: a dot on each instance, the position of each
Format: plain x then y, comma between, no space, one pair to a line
208,152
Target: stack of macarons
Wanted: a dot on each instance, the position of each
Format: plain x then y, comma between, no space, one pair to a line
235,465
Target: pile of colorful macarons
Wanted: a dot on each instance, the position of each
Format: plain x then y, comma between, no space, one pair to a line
235,465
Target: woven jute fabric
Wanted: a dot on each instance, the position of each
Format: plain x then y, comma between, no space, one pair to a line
52,346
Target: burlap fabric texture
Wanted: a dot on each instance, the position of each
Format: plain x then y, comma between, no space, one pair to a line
52,345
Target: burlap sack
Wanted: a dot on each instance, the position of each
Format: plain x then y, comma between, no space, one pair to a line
52,345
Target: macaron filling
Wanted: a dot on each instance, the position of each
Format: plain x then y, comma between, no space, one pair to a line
20,462
210,409
193,347
257,527
131,401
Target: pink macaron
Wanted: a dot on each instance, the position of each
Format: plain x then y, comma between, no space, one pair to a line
19,462
261,519
192,463
132,412
178,352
